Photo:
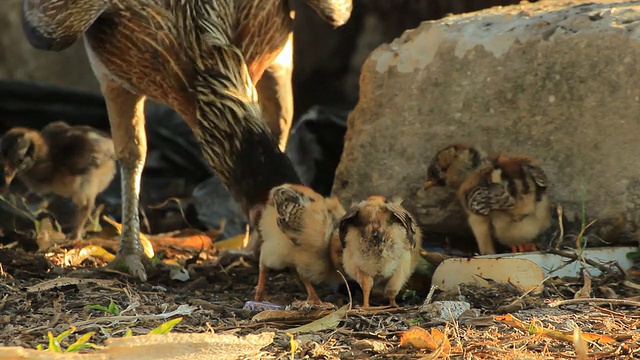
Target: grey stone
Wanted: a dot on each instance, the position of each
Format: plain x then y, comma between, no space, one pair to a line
553,79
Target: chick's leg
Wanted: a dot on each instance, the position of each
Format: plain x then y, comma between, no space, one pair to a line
312,296
397,281
262,281
84,209
524,247
481,227
276,94
366,283
126,115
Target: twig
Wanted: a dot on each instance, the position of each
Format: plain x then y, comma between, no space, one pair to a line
615,313
595,301
181,310
604,269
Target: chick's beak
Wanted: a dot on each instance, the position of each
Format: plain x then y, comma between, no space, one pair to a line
428,184
8,175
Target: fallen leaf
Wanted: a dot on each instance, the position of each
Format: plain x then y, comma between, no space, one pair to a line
580,345
75,258
532,328
236,242
278,314
328,322
194,242
585,291
146,244
420,338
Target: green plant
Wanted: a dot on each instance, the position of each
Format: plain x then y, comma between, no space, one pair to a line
112,309
165,327
55,343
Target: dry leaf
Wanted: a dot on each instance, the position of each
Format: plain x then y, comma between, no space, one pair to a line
532,328
585,291
194,242
146,244
420,338
328,322
236,242
580,345
75,258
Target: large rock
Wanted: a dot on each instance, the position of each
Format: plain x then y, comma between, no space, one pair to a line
558,80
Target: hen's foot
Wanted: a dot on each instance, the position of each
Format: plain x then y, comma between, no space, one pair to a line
132,262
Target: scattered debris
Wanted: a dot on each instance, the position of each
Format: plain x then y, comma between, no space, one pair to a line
445,311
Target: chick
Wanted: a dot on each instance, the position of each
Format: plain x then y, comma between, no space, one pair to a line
504,196
297,227
72,161
453,164
381,242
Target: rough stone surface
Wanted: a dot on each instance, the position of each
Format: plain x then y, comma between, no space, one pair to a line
558,80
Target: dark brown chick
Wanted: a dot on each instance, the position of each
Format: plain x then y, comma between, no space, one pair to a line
504,196
77,162
381,242
453,164
296,228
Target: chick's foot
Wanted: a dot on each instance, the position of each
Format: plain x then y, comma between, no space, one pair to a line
526,247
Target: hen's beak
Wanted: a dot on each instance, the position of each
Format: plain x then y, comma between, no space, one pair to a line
8,175
428,184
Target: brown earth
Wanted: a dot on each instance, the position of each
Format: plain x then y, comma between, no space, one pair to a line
218,293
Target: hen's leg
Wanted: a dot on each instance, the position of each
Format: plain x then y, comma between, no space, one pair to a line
276,94
126,115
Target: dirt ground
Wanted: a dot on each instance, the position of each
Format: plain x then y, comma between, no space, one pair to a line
216,293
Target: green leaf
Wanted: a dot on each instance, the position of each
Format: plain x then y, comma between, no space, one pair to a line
54,345
65,334
81,343
39,347
294,346
165,327
128,333
114,309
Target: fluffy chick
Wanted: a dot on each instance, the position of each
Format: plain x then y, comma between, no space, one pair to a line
452,164
381,242
72,161
297,227
504,196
